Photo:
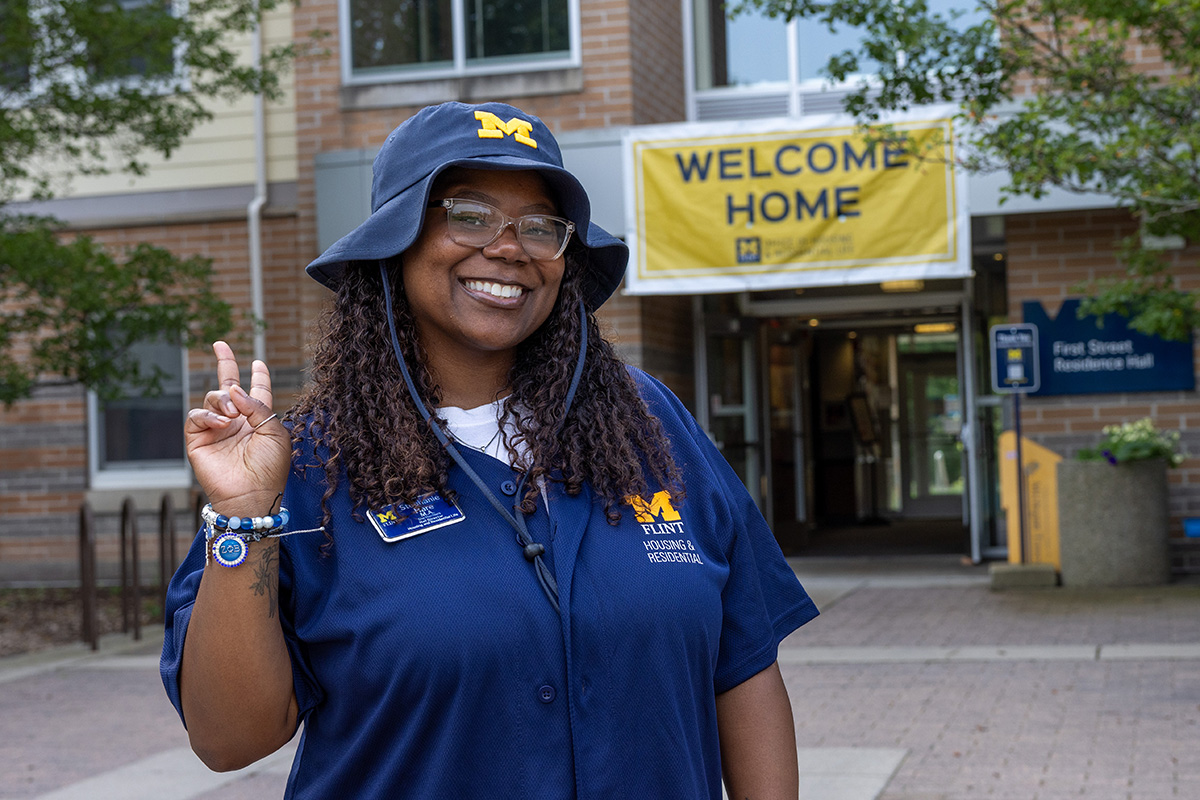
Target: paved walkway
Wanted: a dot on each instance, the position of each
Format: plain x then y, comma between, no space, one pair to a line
916,683
1023,695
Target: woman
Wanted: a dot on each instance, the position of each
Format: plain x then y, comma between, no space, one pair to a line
511,566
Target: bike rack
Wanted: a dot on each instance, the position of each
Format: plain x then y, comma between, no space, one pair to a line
87,575
131,616
131,601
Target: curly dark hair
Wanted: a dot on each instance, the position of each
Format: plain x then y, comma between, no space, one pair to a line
362,420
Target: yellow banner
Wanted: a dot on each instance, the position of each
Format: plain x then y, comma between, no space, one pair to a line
762,209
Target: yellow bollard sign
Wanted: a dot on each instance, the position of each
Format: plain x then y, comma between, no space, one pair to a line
1040,466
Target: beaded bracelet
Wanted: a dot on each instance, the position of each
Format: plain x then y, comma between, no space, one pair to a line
227,538
254,527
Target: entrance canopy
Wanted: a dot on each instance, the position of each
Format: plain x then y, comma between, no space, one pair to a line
775,204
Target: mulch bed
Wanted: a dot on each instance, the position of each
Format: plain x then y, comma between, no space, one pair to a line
37,619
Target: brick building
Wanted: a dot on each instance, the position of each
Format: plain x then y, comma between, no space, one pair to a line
838,404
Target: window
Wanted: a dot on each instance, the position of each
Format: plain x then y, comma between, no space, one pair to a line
137,441
756,66
754,50
105,42
125,39
16,43
748,50
418,39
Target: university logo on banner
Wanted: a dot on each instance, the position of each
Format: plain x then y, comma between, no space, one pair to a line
811,202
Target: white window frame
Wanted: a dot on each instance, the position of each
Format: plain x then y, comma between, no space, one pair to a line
460,68
800,94
151,475
791,87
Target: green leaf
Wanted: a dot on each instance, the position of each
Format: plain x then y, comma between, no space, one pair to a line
74,309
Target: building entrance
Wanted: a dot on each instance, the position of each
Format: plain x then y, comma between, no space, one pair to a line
861,422
887,426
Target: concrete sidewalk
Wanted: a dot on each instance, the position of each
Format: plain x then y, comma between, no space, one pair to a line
917,682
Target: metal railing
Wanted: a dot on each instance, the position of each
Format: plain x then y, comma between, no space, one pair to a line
87,575
131,584
130,566
166,547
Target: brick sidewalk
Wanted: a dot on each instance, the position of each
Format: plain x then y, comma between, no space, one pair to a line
972,615
1022,695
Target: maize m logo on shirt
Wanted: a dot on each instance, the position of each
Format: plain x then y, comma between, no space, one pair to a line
724,207
663,528
659,509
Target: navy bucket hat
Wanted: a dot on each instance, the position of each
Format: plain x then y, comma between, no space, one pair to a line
487,136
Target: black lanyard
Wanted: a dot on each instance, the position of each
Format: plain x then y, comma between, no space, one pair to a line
532,550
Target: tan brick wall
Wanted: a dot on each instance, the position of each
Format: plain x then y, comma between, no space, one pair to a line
667,344
656,51
1146,58
227,244
43,475
1048,255
654,333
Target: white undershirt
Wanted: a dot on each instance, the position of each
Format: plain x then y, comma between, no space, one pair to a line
479,429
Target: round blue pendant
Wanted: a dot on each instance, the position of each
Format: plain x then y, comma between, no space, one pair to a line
229,550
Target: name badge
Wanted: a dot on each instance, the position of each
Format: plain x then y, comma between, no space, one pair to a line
403,521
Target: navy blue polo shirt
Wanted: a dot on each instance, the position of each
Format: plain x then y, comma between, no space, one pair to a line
435,667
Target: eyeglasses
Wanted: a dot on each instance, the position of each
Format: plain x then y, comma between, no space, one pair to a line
475,224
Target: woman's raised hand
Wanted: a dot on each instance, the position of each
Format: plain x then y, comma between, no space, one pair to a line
240,454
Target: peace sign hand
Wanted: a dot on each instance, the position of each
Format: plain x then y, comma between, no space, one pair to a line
240,453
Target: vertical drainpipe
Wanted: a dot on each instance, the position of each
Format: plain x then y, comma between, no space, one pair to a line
254,210
689,62
700,356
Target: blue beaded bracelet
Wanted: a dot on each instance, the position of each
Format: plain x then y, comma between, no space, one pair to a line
254,527
227,538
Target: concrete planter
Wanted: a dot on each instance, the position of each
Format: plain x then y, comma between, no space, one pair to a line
1113,523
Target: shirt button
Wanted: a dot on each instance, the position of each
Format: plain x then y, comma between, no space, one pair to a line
509,488
546,694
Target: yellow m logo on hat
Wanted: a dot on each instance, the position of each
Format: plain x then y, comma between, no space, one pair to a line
659,507
492,127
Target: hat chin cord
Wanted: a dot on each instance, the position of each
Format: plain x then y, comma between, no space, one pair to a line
532,550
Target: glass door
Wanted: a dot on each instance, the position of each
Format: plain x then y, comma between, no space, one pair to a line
731,398
932,476
786,383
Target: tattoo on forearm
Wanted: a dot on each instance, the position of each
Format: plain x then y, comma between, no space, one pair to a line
266,577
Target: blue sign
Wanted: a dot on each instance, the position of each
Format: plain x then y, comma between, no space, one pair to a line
1015,354
1078,357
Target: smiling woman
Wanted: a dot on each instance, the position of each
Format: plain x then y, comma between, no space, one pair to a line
472,304
463,400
